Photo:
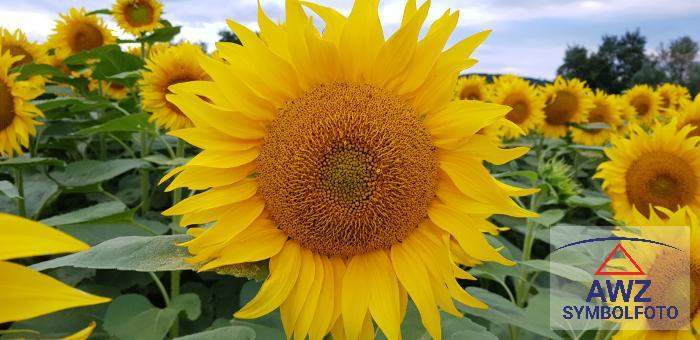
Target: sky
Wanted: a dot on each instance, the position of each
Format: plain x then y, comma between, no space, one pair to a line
529,36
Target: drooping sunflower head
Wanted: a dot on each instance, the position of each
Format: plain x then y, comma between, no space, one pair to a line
18,45
77,32
689,115
645,102
137,16
473,87
658,168
341,157
523,98
17,114
605,110
164,68
566,101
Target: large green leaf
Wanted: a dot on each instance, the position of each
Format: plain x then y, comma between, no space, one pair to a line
92,213
29,70
28,161
39,192
85,173
132,123
225,333
559,269
134,317
163,34
8,189
550,217
137,253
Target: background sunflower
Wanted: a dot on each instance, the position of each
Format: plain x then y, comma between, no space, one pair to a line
137,16
472,87
566,101
645,102
606,110
17,114
525,101
77,32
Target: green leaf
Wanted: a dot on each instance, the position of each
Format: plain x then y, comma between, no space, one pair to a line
28,161
104,11
133,317
137,253
84,173
161,159
453,328
502,311
29,70
225,333
56,103
132,123
39,191
559,269
550,217
164,34
92,213
587,201
9,189
189,303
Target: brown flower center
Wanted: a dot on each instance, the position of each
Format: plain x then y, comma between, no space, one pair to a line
7,106
561,109
520,111
19,51
139,13
641,104
471,92
347,168
674,282
660,179
85,37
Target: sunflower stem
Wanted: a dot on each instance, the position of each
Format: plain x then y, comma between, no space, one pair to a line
19,182
174,292
161,288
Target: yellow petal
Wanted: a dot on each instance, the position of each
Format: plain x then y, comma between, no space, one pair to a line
250,247
335,22
83,334
23,238
224,159
25,294
202,88
323,319
463,118
201,178
361,39
481,147
384,303
212,139
215,197
354,301
284,270
311,301
293,305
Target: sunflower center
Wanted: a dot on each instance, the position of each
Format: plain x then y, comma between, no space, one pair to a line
347,168
175,80
7,106
139,13
665,100
561,109
660,179
471,93
520,109
19,51
675,281
597,115
85,37
641,105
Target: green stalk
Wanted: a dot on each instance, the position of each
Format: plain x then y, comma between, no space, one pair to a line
19,182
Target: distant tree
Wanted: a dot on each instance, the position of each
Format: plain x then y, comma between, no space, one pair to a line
694,79
575,63
650,74
678,59
228,36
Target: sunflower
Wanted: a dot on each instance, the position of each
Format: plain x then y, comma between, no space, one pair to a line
566,101
471,87
645,102
19,46
137,16
152,49
605,110
177,64
657,168
523,98
670,96
340,157
17,114
689,115
77,32
110,89
26,294
668,271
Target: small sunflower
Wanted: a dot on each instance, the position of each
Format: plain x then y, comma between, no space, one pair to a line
137,16
670,96
689,115
473,87
25,293
19,46
174,65
523,98
152,49
77,32
17,114
657,168
368,184
645,102
566,101
605,110
673,274
110,89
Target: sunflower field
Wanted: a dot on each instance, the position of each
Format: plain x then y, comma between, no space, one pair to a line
330,182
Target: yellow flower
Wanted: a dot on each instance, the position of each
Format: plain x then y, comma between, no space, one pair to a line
25,293
110,89
670,96
689,115
668,271
152,49
645,102
137,16
605,110
658,168
19,46
566,101
340,157
17,114
471,87
165,68
523,98
77,32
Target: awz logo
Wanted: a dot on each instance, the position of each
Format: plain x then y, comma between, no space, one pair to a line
624,294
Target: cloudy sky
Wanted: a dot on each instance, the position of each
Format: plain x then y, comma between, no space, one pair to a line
529,37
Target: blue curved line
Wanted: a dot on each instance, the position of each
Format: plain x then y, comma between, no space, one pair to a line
615,238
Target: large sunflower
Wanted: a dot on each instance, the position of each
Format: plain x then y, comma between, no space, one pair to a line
77,32
605,110
524,100
17,114
25,293
669,272
657,168
164,68
566,101
473,87
137,16
689,115
19,46
645,102
341,158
